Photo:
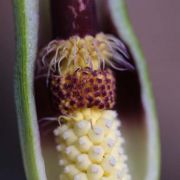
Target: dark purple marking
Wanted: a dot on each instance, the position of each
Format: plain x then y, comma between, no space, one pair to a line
91,80
107,105
103,87
85,73
72,102
106,99
87,90
60,94
108,80
90,98
97,94
101,106
81,104
95,87
109,87
80,98
74,80
65,86
97,102
104,93
68,77
89,105
75,94
67,95
94,73
99,80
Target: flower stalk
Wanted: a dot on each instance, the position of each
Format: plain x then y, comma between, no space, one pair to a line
68,18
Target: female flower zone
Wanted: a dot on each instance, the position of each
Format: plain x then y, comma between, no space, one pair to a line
82,84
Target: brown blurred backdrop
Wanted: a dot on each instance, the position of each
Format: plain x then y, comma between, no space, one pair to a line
157,24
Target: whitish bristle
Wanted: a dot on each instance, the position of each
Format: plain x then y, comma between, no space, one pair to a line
93,52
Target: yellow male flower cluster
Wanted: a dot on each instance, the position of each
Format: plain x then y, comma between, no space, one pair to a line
89,141
90,147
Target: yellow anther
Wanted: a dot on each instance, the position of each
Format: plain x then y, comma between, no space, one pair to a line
71,171
95,172
80,176
60,147
88,38
60,130
72,152
63,162
83,162
109,164
82,127
84,144
96,154
69,136
96,135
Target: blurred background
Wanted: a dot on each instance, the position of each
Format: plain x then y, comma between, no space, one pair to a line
157,25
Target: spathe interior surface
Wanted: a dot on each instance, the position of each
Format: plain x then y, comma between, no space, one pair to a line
129,106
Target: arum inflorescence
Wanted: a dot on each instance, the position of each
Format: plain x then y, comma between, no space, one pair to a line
83,87
80,67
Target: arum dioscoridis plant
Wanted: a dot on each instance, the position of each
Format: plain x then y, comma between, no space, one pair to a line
84,101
